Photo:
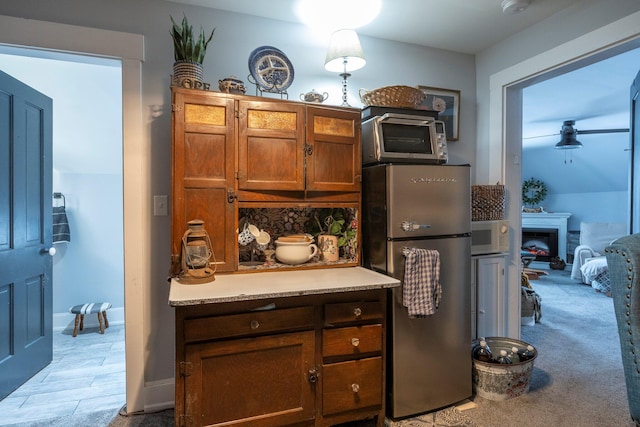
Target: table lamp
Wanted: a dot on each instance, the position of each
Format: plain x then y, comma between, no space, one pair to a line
344,55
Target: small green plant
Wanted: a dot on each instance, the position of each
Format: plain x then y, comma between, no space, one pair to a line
185,48
336,222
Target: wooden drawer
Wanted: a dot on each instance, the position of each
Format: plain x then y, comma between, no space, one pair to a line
352,312
352,340
252,323
352,385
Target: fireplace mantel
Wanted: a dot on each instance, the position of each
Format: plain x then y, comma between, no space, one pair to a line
557,221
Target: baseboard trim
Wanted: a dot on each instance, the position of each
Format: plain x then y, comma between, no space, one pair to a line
62,321
159,395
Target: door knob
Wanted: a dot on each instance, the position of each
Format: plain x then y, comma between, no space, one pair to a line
51,251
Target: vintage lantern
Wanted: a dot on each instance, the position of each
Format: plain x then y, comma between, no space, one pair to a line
196,252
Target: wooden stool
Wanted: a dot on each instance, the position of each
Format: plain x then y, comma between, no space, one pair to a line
93,307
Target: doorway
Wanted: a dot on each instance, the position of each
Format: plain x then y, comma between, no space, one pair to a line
505,115
129,48
87,177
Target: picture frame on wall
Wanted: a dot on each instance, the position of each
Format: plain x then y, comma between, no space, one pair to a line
447,103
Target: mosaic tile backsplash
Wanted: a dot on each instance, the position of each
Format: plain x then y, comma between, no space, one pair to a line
280,222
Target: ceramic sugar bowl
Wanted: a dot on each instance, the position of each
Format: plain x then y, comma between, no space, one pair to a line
232,85
313,96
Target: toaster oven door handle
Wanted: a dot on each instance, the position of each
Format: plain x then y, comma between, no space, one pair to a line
404,119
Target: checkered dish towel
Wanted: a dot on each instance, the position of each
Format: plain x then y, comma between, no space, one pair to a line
421,289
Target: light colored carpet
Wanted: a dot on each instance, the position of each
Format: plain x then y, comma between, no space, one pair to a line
577,378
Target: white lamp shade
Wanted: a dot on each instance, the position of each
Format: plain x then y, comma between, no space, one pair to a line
344,45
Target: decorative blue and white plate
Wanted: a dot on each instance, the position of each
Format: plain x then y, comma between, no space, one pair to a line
271,69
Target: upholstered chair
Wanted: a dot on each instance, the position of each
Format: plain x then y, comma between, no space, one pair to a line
594,237
623,259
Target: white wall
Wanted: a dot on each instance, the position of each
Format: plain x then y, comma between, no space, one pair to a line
589,207
87,165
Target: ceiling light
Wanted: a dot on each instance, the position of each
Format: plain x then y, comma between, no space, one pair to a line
510,7
335,14
568,139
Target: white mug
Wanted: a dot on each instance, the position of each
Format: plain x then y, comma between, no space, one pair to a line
262,240
253,230
245,236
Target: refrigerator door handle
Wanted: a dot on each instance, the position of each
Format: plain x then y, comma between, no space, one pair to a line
412,226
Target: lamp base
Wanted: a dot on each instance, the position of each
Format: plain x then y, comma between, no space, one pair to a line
344,89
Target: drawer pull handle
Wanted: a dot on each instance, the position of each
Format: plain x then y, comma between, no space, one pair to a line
255,324
355,342
355,387
357,312
313,375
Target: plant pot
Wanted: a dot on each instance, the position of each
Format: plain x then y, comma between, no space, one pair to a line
187,70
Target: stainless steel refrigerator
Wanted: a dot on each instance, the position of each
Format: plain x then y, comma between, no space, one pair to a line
426,207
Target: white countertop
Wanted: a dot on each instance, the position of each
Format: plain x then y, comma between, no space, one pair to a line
278,284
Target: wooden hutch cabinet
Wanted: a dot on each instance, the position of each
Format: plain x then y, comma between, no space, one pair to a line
232,152
247,352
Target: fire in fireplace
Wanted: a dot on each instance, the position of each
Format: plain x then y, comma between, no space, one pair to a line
541,242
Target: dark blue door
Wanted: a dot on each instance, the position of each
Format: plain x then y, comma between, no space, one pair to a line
25,232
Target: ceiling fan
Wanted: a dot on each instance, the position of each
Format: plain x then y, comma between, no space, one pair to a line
568,134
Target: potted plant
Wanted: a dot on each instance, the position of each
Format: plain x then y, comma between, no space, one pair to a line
188,52
336,222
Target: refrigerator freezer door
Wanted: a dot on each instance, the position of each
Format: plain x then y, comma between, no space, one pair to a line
429,359
427,200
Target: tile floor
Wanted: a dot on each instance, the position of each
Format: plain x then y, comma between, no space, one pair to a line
87,374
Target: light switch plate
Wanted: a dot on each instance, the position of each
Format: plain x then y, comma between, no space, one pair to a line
160,205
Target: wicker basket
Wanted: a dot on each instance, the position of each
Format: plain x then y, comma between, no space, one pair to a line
393,96
487,202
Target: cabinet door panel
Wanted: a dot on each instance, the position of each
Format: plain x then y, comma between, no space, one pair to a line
204,159
271,160
211,206
270,146
489,297
203,172
251,382
334,163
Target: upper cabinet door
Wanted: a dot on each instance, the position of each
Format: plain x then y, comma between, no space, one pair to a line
333,150
270,146
203,172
